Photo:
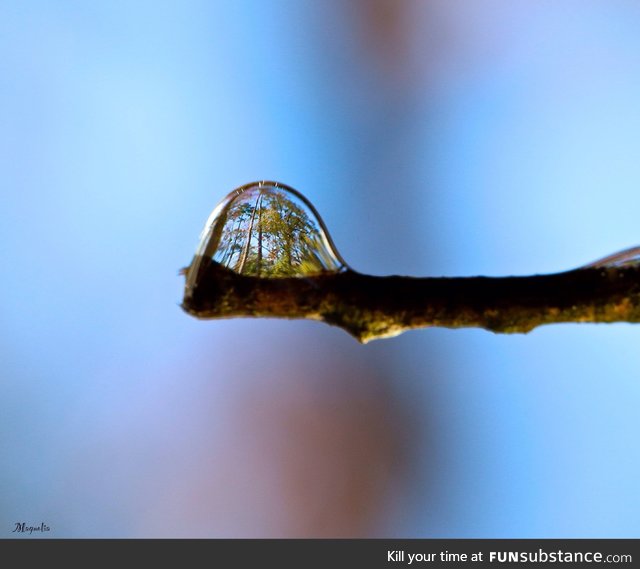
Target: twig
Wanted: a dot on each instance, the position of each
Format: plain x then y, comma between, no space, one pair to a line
370,307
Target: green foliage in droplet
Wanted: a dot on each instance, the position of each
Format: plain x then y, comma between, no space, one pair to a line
267,234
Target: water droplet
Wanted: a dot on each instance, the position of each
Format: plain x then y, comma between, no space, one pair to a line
622,259
269,230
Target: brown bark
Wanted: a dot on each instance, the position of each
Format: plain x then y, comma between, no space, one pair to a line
370,307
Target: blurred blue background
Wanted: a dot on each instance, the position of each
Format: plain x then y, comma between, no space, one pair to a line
435,138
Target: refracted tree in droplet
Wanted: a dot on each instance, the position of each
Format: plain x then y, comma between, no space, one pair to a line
266,229
626,258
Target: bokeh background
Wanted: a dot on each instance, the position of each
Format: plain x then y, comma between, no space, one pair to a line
435,138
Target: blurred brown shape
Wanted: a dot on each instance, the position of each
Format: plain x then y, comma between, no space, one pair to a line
391,42
338,456
385,25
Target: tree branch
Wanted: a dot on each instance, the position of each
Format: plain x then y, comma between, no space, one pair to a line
370,307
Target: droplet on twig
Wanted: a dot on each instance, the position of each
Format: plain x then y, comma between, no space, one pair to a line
268,230
622,259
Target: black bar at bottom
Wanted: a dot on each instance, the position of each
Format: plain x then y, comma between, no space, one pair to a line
333,553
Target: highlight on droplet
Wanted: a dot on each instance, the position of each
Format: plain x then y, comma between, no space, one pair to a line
269,230
622,259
